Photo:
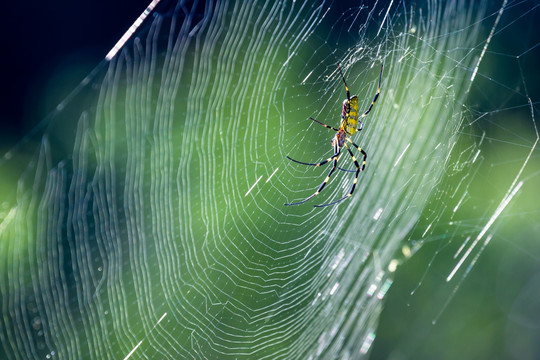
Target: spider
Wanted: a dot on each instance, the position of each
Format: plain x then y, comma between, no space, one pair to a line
349,123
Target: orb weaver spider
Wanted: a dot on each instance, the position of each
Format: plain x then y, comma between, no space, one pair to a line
349,125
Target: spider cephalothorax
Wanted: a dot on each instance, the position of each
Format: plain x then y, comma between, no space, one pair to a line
349,125
339,139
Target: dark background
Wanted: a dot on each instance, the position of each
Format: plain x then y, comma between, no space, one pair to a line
38,39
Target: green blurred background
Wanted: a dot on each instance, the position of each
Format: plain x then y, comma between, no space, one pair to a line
494,311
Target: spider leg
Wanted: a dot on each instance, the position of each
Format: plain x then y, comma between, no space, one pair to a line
311,164
346,87
363,153
330,127
335,157
376,96
358,169
319,164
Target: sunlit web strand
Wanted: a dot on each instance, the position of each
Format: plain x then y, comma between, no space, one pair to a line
131,30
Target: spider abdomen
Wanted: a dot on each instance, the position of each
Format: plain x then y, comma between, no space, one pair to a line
349,115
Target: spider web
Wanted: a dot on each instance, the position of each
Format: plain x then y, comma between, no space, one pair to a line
144,217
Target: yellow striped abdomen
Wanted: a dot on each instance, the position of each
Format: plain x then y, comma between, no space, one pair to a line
350,115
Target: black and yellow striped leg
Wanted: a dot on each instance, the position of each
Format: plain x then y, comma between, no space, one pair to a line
327,126
358,169
376,96
363,153
335,157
